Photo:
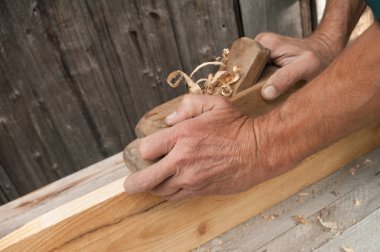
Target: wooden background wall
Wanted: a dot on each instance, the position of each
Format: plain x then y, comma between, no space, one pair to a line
75,76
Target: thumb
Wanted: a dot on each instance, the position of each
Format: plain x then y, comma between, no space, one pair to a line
282,80
193,105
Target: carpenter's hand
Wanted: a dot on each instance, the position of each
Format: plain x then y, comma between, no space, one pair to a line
210,149
299,59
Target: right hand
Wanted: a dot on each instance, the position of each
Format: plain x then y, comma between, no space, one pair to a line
299,59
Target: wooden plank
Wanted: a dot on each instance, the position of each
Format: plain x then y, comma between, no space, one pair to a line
18,212
283,17
332,198
149,222
203,29
364,236
306,17
7,189
27,114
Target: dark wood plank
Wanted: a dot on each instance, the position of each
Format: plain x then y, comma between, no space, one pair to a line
203,29
7,189
71,101
283,17
77,75
306,17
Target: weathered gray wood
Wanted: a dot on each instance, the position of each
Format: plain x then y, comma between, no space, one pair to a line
8,191
306,17
283,17
332,199
204,28
75,76
364,236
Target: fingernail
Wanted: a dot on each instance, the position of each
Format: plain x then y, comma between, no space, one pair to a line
170,117
269,92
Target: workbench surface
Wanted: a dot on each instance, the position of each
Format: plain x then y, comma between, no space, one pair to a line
349,198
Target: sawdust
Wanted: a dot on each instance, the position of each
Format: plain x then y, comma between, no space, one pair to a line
300,219
269,217
301,197
354,169
367,161
317,192
219,83
335,192
347,249
357,202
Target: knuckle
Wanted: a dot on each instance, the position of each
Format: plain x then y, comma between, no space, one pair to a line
262,36
310,55
188,181
267,38
222,101
187,99
143,149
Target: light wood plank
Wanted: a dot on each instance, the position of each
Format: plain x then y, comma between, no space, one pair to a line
364,236
18,212
108,219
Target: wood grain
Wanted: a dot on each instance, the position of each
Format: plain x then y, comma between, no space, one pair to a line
7,189
76,76
18,212
203,29
283,17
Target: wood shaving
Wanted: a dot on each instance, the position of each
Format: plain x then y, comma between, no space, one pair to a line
347,249
214,84
300,219
332,225
316,192
335,193
357,202
303,194
354,169
367,161
301,197
269,217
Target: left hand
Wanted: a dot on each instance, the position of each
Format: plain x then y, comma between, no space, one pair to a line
210,149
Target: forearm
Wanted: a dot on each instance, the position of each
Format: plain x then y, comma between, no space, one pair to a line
341,100
338,21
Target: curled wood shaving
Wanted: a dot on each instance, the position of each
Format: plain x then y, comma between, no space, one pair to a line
215,84
332,225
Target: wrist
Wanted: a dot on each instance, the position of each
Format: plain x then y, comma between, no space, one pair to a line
326,46
274,146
